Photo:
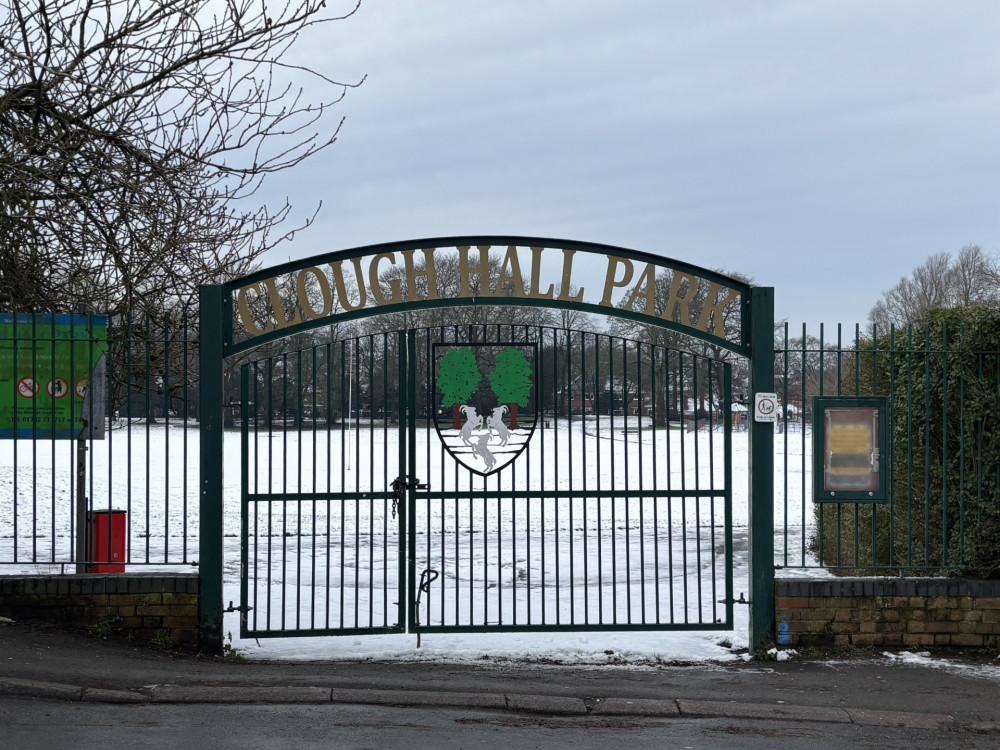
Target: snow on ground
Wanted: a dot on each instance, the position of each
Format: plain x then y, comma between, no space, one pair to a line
152,471
966,669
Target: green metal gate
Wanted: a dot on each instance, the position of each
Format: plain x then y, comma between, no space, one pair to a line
322,443
471,478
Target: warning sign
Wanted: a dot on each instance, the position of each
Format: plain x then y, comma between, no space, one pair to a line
27,387
51,350
57,388
765,407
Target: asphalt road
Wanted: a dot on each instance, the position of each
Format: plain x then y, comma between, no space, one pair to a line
70,690
28,724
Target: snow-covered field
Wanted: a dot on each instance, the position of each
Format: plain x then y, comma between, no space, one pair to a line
595,560
152,472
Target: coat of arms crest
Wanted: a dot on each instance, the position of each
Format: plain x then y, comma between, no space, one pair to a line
485,402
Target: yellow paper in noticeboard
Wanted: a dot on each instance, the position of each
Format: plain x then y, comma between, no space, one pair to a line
850,449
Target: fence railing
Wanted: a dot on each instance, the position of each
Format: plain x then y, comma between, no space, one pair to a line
942,387
942,514
145,396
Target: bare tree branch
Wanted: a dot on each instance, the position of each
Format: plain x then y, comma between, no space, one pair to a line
132,136
971,279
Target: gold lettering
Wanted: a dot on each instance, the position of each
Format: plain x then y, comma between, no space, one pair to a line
644,289
566,285
611,277
305,303
465,272
412,273
713,310
510,273
246,317
536,273
313,293
338,279
374,282
278,309
680,298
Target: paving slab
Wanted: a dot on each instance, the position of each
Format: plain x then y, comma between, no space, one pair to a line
40,689
762,711
552,705
103,695
877,718
237,694
417,698
633,707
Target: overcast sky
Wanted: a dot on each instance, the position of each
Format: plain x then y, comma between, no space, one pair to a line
822,147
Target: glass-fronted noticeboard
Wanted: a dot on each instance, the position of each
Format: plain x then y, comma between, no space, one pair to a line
850,445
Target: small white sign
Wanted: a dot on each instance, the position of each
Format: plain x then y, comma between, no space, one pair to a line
765,407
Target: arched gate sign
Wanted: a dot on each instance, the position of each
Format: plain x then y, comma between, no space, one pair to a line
468,477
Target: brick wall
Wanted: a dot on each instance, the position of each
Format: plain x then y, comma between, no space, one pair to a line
889,612
150,607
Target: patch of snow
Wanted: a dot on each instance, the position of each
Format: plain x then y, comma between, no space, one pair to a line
783,654
925,659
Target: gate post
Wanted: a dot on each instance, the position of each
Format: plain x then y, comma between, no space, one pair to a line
761,563
210,353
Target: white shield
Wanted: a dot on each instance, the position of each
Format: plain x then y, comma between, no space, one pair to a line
485,402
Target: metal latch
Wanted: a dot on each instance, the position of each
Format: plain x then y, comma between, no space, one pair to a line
741,600
427,577
399,485
231,608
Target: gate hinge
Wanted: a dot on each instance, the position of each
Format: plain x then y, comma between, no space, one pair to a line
741,600
231,608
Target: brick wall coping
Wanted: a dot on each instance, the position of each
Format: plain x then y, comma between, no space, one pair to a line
118,583
865,587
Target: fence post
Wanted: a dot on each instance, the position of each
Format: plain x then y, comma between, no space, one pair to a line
210,354
761,530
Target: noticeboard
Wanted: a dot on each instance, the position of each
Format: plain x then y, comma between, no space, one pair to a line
46,363
850,440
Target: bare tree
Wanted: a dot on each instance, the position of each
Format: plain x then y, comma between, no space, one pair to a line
572,319
973,278
132,135
670,339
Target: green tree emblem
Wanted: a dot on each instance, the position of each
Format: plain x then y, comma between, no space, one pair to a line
511,381
457,379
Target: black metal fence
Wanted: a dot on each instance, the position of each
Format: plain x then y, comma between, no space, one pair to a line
141,459
941,382
942,516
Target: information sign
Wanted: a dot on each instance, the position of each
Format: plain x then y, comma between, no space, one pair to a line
40,356
849,436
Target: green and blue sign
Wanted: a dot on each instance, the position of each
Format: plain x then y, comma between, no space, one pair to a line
46,363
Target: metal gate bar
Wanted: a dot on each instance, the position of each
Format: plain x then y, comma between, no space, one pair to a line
617,515
556,543
322,550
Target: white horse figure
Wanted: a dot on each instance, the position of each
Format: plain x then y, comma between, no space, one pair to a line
472,421
482,450
496,423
